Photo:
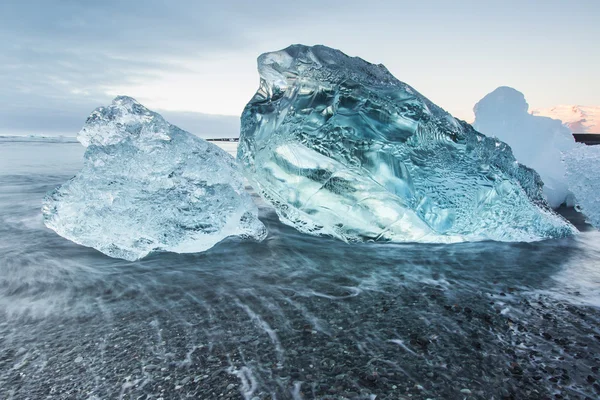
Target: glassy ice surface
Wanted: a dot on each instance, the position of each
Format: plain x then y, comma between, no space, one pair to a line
340,147
293,317
148,186
537,142
583,176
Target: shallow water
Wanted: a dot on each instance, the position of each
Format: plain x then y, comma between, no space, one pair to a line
294,317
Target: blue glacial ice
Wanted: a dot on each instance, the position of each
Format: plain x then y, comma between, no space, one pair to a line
148,186
340,147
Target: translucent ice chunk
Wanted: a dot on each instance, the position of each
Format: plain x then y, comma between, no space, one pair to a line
149,186
583,166
340,147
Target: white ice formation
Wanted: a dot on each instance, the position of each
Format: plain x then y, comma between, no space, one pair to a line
148,186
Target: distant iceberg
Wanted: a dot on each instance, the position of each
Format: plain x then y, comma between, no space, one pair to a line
538,142
340,147
148,186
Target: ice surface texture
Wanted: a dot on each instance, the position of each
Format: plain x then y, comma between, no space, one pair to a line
538,142
148,186
340,147
583,166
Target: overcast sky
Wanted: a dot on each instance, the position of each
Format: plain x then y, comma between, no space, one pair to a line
61,59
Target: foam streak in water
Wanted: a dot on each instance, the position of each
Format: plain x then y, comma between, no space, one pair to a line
265,327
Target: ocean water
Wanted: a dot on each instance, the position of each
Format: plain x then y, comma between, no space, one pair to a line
294,317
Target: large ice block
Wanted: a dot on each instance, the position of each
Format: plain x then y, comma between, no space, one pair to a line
340,147
148,186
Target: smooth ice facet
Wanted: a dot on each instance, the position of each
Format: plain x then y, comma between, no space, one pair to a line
149,186
341,147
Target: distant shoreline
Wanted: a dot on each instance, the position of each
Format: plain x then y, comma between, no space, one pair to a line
73,139
42,139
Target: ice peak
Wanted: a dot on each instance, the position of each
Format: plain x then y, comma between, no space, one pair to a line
122,99
125,118
130,104
504,101
280,69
